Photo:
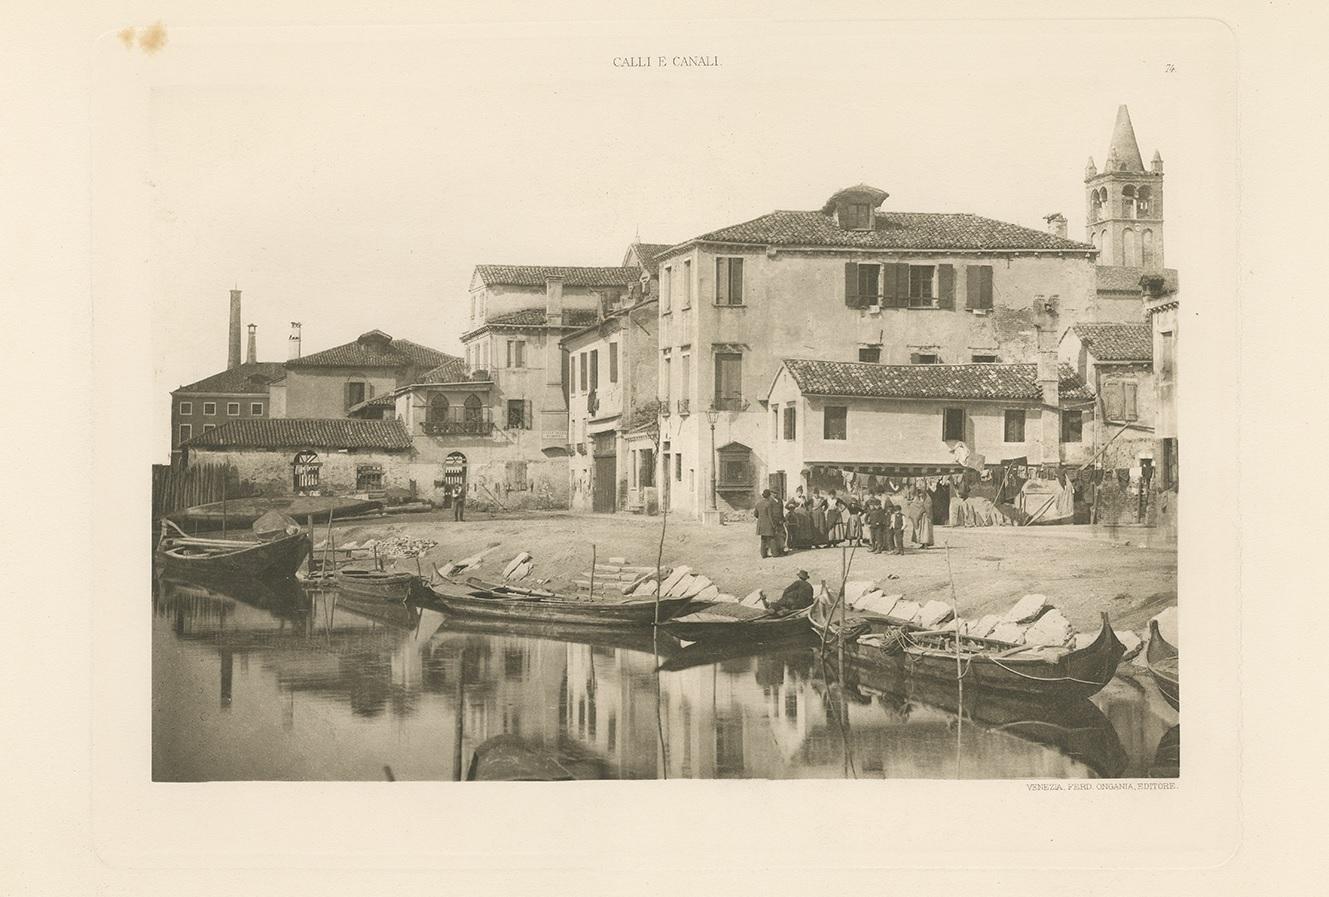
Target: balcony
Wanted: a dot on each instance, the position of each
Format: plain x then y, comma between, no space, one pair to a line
459,422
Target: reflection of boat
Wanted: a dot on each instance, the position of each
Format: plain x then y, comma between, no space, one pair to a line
390,613
272,559
1161,658
1076,728
1167,756
283,598
507,758
726,620
721,650
1033,673
376,583
631,638
517,604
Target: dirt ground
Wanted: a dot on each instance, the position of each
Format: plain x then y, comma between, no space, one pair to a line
1082,572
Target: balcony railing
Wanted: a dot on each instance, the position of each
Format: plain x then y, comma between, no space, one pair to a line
459,422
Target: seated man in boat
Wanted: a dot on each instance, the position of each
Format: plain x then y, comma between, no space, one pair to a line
797,595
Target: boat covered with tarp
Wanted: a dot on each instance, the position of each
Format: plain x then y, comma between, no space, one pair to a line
1035,672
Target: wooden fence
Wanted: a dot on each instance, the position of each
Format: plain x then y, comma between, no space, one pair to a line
175,486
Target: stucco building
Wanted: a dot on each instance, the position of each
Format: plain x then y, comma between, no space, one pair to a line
328,384
849,282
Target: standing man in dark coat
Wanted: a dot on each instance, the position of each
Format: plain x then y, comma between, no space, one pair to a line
770,517
459,502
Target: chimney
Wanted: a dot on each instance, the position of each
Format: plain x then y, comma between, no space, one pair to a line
1048,449
252,355
233,349
293,341
554,300
1056,224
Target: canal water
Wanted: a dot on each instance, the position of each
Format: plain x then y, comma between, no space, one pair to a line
264,683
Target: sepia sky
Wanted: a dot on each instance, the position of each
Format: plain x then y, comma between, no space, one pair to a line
350,179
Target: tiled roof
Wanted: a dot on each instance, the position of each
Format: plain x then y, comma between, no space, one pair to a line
238,379
387,400
534,275
1111,341
295,433
451,371
893,230
1121,279
374,349
535,317
647,253
928,381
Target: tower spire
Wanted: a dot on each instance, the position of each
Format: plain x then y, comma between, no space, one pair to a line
1124,146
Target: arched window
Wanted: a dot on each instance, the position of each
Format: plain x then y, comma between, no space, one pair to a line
474,409
1142,199
1095,206
304,470
1128,201
437,411
1147,248
1094,239
1128,254
1106,257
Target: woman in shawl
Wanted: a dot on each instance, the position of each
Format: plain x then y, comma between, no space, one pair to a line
923,532
834,522
853,527
819,535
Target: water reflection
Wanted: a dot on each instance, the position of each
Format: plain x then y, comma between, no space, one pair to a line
255,682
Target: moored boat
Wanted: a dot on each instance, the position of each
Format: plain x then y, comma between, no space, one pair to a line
277,558
1033,672
726,620
509,603
1162,659
509,758
382,584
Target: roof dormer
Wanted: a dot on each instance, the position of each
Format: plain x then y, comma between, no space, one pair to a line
375,340
855,207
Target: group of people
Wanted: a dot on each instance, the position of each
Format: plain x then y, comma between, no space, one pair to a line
878,521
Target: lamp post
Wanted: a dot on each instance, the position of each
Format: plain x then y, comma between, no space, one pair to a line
712,415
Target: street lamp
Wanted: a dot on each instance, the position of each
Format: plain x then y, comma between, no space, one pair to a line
712,415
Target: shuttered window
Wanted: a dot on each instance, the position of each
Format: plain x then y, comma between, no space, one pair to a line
1119,400
1014,425
790,422
613,362
835,422
582,363
519,414
728,281
728,381
869,354
978,286
952,424
595,369
1072,426
921,286
946,286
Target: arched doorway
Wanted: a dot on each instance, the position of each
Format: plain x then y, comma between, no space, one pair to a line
304,471
454,475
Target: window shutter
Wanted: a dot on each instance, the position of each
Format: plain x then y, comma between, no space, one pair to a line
947,286
973,286
985,293
347,397
1112,401
369,390
889,287
735,281
526,413
901,284
722,281
851,285
1129,411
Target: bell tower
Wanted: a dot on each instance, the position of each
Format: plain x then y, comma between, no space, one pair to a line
1124,202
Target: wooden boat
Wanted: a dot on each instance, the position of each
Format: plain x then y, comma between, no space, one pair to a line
509,603
275,559
1161,658
1035,673
727,620
238,512
382,584
508,758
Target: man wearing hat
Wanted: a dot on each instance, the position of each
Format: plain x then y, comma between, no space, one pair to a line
797,595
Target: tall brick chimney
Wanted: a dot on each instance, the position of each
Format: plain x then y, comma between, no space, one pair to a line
553,408
233,350
251,355
293,341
